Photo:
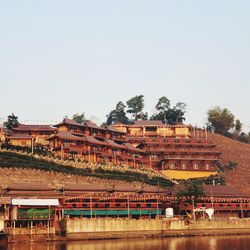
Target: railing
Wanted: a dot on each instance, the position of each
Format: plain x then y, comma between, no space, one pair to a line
182,150
190,158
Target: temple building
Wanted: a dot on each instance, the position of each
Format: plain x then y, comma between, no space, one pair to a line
93,143
178,151
27,135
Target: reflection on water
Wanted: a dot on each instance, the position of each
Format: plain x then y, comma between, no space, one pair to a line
193,243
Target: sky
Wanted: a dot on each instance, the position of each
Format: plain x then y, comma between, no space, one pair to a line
61,57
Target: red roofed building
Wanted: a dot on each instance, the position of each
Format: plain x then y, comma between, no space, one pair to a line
179,151
93,143
39,133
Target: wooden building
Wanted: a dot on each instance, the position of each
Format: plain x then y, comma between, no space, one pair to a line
120,200
225,200
39,133
178,151
117,201
93,143
154,129
20,140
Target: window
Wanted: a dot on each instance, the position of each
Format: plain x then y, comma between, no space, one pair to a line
152,129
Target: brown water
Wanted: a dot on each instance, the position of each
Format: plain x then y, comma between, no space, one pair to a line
192,243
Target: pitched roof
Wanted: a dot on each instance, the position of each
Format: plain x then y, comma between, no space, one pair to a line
132,148
84,187
118,124
67,135
114,144
221,190
17,136
113,129
93,125
69,122
31,127
148,123
93,140
40,186
157,123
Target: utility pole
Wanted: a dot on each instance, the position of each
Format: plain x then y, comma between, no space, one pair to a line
193,209
128,205
32,145
91,208
212,201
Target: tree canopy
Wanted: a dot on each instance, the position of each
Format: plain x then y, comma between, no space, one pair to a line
118,114
238,126
163,104
169,115
193,189
12,121
80,118
135,106
222,120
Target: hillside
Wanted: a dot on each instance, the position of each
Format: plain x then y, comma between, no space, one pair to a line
16,167
239,152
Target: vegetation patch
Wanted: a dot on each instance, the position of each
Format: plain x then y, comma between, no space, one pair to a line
13,160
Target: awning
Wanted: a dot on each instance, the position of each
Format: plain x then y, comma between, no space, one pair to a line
35,202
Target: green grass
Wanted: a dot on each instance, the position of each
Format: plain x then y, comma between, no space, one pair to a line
13,160
215,179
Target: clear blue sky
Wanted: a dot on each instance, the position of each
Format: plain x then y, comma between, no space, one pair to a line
62,57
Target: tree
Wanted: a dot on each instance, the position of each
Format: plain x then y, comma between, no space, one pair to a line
143,116
238,126
222,120
135,106
163,104
176,114
80,118
118,115
193,190
167,114
12,121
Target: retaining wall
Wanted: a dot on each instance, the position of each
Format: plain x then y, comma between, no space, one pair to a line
81,228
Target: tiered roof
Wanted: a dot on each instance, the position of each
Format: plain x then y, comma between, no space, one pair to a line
26,127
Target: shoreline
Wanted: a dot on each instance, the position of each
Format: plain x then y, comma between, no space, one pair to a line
127,235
